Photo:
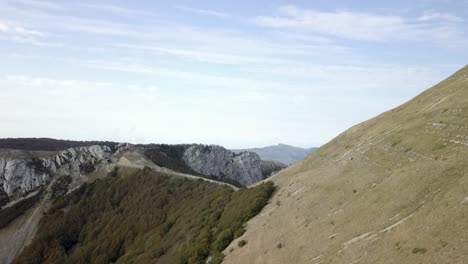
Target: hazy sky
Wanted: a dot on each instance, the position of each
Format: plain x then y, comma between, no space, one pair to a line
235,73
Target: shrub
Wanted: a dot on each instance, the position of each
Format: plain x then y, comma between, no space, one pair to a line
419,250
242,243
223,240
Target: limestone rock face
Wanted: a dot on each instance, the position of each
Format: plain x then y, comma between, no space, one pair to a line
215,161
19,176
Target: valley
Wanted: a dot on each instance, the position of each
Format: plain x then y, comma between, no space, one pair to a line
42,186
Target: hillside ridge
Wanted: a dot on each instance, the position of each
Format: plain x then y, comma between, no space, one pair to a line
393,189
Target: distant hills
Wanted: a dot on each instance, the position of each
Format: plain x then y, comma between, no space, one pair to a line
282,153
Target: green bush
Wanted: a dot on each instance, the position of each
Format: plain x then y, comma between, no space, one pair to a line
419,250
223,240
242,243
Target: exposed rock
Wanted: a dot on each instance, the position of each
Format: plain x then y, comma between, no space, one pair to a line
215,161
19,176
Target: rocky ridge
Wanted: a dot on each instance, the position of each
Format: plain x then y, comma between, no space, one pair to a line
245,168
20,176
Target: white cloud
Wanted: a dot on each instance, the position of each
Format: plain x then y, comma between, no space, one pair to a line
18,30
367,26
21,34
118,10
38,4
200,11
196,55
193,78
436,16
227,55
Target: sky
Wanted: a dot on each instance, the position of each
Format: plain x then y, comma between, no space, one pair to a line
233,73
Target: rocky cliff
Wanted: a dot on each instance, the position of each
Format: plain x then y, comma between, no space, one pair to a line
215,161
19,176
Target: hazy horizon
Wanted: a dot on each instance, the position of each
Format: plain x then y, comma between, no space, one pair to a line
241,75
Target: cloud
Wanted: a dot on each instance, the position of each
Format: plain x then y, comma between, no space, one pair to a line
204,12
367,26
39,4
117,10
15,29
436,16
20,33
245,56
196,55
196,80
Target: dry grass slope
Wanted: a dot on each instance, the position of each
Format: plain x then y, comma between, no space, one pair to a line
393,189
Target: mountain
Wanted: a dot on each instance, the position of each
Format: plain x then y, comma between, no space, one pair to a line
393,189
281,153
47,155
187,201
214,162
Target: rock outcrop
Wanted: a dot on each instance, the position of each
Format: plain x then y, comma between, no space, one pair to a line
19,176
215,161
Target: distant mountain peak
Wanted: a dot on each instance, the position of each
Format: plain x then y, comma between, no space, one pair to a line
281,152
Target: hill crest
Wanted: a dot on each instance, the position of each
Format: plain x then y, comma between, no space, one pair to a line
393,189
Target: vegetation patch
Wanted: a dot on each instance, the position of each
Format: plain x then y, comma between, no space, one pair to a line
169,156
60,187
143,216
418,250
87,167
242,243
438,146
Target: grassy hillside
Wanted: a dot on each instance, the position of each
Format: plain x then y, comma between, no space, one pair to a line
142,216
393,189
